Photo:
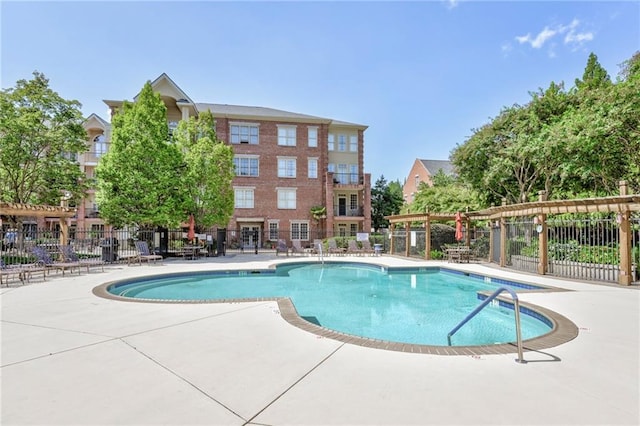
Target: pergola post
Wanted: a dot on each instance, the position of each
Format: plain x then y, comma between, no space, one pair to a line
64,226
503,242
623,219
392,228
407,238
543,242
427,238
503,238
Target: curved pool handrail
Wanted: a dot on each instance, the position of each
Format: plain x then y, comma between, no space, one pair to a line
516,309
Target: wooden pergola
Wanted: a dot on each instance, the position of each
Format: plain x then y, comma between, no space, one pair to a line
622,204
31,210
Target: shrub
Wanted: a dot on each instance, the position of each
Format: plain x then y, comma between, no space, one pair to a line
442,234
437,255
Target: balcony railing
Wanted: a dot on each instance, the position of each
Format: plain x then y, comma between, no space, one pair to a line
91,213
91,156
344,211
348,179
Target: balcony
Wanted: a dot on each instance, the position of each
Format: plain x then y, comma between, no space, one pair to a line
90,157
91,213
341,211
348,180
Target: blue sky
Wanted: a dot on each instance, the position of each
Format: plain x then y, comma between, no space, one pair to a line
420,74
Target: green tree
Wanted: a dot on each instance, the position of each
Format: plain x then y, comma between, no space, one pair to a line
209,172
41,135
576,143
141,179
594,76
386,199
447,195
630,68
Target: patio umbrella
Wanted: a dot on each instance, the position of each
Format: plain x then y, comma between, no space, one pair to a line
458,227
191,234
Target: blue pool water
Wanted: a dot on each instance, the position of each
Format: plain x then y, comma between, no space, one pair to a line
419,306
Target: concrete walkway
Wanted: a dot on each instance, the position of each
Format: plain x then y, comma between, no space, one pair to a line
71,358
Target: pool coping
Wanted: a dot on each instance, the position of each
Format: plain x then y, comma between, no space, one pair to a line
563,330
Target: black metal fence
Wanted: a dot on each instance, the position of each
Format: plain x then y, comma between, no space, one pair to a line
16,245
579,246
440,236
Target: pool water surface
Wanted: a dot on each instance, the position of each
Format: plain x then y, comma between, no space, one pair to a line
418,306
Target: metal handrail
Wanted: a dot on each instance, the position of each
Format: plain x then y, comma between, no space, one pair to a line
320,255
516,308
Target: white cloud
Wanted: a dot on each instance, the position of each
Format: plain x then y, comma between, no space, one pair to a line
576,39
453,3
540,39
572,36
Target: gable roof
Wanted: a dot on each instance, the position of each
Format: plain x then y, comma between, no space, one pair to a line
94,120
167,87
262,113
433,166
165,81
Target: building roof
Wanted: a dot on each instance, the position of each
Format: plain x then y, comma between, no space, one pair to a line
433,166
256,112
97,119
164,84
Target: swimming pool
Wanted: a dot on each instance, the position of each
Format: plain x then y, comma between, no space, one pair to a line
414,306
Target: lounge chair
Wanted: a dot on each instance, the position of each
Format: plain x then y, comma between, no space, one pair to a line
43,259
296,248
144,254
69,255
353,248
282,248
8,272
333,247
366,247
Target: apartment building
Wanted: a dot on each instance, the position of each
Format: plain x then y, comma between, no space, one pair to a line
286,164
423,171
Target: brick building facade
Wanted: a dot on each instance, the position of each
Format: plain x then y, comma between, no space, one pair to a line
286,163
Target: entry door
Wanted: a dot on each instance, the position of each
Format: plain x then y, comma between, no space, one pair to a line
250,236
342,206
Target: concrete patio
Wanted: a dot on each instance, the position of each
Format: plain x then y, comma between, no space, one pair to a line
71,358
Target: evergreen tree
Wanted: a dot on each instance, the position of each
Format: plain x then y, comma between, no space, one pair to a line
595,76
386,200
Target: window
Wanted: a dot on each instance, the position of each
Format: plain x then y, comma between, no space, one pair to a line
274,232
353,143
286,198
343,177
287,167
417,180
353,177
287,135
100,142
173,125
243,198
244,133
313,137
300,231
354,229
330,142
313,168
246,165
342,142
353,202
331,167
